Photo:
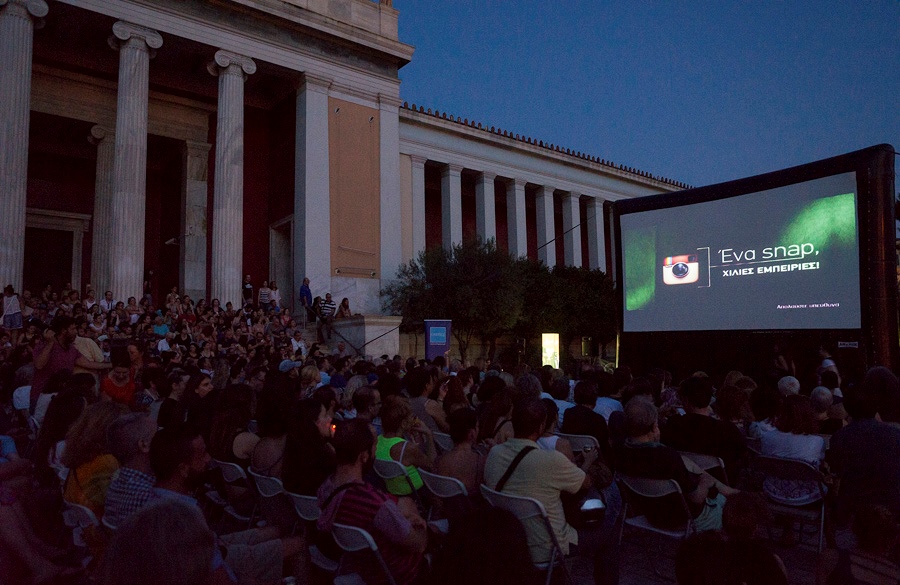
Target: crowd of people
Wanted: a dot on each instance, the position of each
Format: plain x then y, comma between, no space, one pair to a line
131,411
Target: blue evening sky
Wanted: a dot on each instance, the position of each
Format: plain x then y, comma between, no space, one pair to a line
700,92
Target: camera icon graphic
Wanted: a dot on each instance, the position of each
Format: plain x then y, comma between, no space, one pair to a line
684,269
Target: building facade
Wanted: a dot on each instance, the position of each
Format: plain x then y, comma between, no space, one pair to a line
146,144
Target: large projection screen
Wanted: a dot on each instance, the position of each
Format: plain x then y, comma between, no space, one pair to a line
806,255
784,258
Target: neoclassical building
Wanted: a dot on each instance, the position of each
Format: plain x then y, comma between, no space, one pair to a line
191,142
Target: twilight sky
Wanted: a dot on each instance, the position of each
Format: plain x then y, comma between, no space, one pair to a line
700,91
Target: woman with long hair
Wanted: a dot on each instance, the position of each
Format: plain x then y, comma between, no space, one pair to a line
200,401
229,439
308,454
343,310
87,456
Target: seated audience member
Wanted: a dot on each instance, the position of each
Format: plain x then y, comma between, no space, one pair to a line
273,418
419,385
87,455
396,526
789,385
229,439
165,543
119,386
487,547
872,558
885,386
398,421
764,402
526,470
62,413
582,420
548,440
455,397
179,459
367,403
793,439
606,404
172,411
750,559
642,455
494,413
697,431
131,487
559,392
866,456
733,405
463,462
821,400
308,454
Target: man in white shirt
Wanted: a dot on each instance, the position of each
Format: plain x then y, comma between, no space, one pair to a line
297,343
107,303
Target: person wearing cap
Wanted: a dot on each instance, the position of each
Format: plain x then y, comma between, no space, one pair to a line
290,367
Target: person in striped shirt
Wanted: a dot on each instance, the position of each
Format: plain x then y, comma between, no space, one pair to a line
394,523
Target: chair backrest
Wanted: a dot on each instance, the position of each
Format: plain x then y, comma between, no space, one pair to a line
442,486
579,442
707,463
78,516
754,444
352,539
443,442
268,487
231,472
307,507
22,398
389,469
631,486
789,469
521,507
109,525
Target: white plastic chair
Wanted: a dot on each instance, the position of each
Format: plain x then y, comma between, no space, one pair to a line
443,442
579,442
233,474
352,539
267,486
390,469
79,518
307,509
442,487
708,463
524,509
796,470
634,488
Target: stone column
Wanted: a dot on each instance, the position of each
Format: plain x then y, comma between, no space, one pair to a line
515,218
546,229
485,209
312,196
418,204
389,156
192,244
451,205
135,44
101,241
228,184
596,234
17,20
572,229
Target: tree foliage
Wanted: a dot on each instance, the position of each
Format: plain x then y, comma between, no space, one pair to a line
488,294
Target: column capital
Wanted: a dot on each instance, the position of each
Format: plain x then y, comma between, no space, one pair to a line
516,182
224,60
313,82
570,195
33,8
452,168
123,32
487,176
418,159
100,133
193,148
388,102
547,189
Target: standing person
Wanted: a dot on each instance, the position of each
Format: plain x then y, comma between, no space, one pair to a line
263,295
247,290
275,295
12,313
326,317
305,303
